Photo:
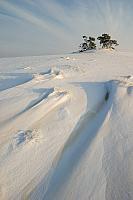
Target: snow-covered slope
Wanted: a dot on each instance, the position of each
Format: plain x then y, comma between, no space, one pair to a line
66,128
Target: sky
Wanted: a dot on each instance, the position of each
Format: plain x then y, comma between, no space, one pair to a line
39,27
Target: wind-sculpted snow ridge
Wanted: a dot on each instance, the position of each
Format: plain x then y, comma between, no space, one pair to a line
48,75
36,109
100,131
9,80
43,94
77,144
67,132
118,146
47,100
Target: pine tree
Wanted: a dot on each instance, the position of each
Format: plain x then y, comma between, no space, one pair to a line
106,42
88,44
92,44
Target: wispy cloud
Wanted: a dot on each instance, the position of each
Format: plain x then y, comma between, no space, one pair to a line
30,17
61,25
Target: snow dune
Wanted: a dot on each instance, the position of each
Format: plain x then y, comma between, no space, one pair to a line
67,132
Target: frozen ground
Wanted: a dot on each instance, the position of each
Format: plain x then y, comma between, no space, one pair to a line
66,127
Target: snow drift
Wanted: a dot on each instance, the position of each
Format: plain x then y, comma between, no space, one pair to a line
67,133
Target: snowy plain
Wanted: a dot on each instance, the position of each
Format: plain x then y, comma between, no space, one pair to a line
66,127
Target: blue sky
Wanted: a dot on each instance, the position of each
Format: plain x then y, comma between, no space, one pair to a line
38,27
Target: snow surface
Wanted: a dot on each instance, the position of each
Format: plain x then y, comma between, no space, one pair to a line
66,130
